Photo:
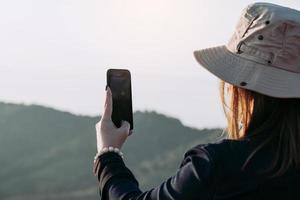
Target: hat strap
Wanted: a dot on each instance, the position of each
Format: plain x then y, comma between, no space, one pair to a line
257,54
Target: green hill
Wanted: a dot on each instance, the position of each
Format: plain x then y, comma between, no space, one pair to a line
48,154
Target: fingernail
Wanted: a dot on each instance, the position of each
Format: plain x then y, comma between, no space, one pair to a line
125,122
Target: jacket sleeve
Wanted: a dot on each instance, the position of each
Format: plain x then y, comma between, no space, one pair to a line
192,180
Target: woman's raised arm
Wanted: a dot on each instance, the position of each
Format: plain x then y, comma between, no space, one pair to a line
193,179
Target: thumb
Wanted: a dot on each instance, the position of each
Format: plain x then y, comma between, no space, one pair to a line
125,126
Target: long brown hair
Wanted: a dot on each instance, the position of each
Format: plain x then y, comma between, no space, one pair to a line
251,114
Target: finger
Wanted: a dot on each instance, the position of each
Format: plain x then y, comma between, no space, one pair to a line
97,127
130,132
125,126
108,105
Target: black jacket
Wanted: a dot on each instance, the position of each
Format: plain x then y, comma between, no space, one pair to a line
212,171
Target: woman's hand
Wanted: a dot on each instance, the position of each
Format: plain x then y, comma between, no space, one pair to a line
107,133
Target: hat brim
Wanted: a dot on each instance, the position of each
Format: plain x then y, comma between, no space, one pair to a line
248,74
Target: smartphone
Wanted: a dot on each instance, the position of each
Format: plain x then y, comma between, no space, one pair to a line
119,81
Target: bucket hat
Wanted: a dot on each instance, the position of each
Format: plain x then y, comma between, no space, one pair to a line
263,54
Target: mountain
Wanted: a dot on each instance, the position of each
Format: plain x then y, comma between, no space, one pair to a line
47,154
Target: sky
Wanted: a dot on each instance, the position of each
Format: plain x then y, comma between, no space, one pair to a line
56,53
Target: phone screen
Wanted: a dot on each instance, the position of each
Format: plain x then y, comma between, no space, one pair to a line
119,81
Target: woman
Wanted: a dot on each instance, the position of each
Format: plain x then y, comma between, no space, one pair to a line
260,87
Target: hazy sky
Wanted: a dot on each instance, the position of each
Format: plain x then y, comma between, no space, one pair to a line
56,53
